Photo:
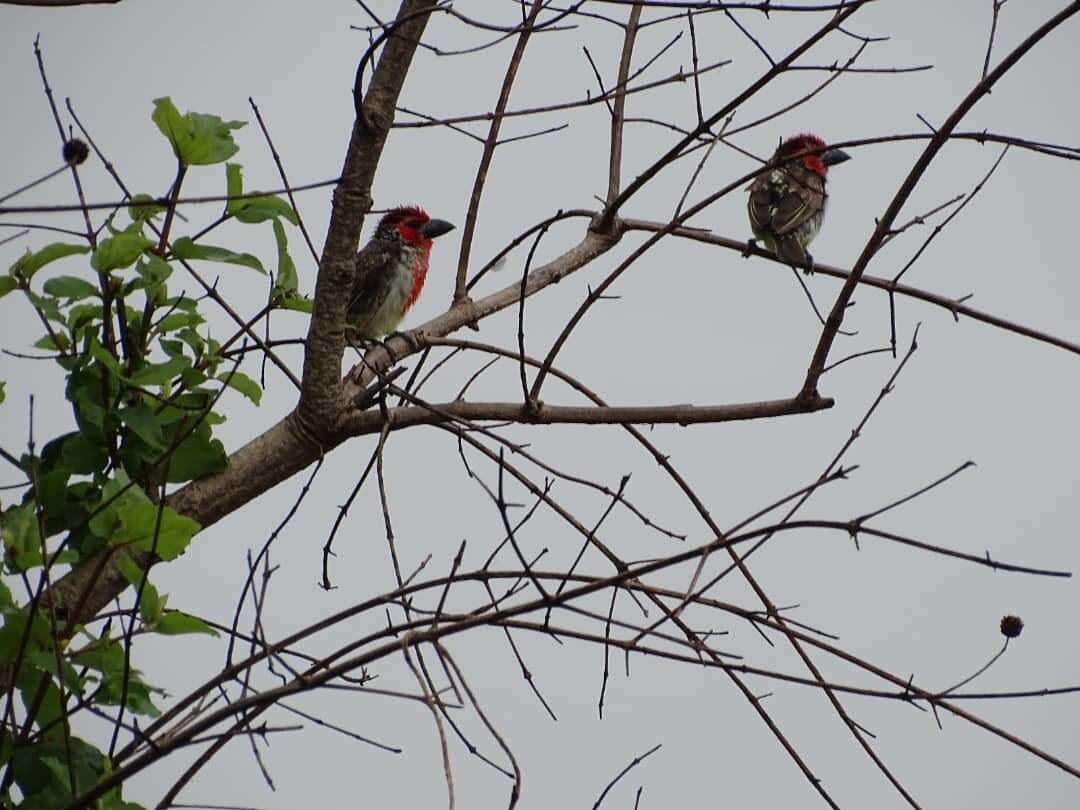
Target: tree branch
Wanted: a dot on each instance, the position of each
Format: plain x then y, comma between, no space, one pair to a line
490,143
364,422
953,305
319,400
941,136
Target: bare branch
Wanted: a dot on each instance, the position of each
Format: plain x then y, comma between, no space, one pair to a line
941,136
490,143
319,400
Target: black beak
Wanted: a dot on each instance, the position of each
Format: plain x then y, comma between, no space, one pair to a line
830,157
436,227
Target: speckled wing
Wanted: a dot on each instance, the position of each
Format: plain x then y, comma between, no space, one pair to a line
759,206
370,285
781,208
795,209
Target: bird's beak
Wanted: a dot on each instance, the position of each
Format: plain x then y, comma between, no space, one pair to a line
436,227
830,157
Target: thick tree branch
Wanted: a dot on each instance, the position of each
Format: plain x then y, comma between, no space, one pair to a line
364,422
469,312
300,438
319,402
286,449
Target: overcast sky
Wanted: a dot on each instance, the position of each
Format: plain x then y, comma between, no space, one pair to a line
693,323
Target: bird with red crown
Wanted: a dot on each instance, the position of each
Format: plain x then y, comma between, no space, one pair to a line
787,203
390,271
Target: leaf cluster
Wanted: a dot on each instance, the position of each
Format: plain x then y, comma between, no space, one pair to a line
143,378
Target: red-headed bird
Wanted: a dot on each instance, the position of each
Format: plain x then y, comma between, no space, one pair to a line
390,271
787,204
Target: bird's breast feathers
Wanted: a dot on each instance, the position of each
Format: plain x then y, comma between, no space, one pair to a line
402,287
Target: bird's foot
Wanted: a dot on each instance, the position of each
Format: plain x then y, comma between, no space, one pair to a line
809,269
751,245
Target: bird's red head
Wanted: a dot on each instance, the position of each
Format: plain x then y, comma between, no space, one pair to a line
817,162
411,225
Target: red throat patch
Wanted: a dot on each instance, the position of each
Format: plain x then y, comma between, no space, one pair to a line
419,274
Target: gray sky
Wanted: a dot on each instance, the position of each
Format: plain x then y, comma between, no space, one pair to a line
693,324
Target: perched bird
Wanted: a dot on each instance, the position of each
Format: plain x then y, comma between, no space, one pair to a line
390,271
787,204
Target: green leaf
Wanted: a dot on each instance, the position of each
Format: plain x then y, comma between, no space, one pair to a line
81,315
194,340
30,263
184,248
193,404
8,284
143,423
50,712
173,348
140,529
70,287
107,657
153,270
105,357
52,491
179,320
192,378
121,250
83,455
196,139
48,306
182,303
22,538
213,418
151,605
264,207
297,303
143,207
234,187
170,122
138,696
58,342
117,494
286,281
42,773
160,373
11,635
45,660
197,455
3,394
85,391
253,209
242,383
176,622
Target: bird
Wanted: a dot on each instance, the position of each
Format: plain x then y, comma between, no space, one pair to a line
787,204
390,272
